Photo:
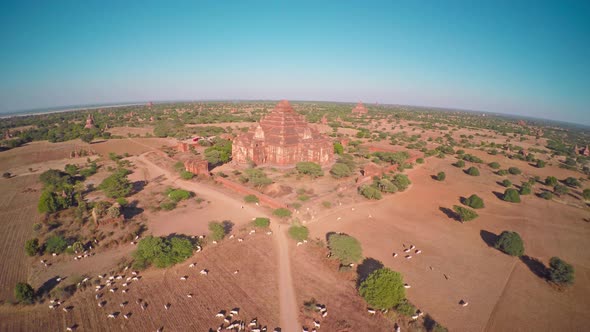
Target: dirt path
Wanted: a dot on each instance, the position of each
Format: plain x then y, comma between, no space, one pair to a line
287,299
493,313
286,289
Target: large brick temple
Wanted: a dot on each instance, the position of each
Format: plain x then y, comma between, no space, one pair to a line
360,110
282,138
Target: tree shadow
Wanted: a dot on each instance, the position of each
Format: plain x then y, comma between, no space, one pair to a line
488,237
47,286
536,266
434,177
328,235
462,199
131,210
227,226
450,213
138,186
429,323
364,269
499,195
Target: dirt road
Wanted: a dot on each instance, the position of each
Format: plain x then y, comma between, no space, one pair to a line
288,303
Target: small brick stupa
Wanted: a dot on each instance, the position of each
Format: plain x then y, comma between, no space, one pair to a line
359,110
282,138
89,122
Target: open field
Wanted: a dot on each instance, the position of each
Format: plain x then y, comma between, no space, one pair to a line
253,290
477,273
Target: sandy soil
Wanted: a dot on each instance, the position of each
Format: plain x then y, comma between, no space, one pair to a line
476,273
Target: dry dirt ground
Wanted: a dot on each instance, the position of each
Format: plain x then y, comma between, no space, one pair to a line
254,290
457,263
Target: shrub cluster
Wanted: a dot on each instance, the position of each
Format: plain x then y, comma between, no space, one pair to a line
162,252
383,289
298,232
261,222
346,248
473,171
560,271
510,243
464,214
511,195
474,201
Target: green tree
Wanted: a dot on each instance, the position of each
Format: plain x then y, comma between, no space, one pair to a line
551,181
162,252
506,183
338,148
186,175
282,213
346,248
87,137
261,222
540,163
560,271
117,185
251,199
510,243
511,195
383,289
256,177
370,192
56,244
514,170
48,202
340,170
464,214
298,232
24,293
32,247
401,181
312,169
546,195
572,182
560,189
441,176
494,165
386,186
474,201
473,171
525,189
217,230
586,194
460,163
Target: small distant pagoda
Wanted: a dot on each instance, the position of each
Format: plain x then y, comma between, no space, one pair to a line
324,120
583,151
360,109
7,134
89,122
282,138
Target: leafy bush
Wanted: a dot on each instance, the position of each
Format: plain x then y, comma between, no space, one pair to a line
338,148
312,169
502,172
560,271
162,252
464,214
177,195
24,293
494,165
586,194
420,161
551,181
346,248
560,189
406,308
511,195
261,222
386,186
282,213
370,192
572,182
48,202
540,163
510,243
256,177
32,247
474,201
298,232
117,185
56,244
506,183
186,175
441,176
546,195
168,205
401,181
217,230
251,199
514,170
460,163
383,289
340,170
473,171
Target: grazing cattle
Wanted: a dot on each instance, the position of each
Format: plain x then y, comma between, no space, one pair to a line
394,254
418,251
220,314
125,290
371,311
408,256
204,272
235,311
124,284
304,329
71,328
183,278
316,324
299,243
412,247
123,304
112,315
231,236
463,303
189,295
407,250
415,316
160,329
253,322
143,306
338,218
112,290
240,240
269,233
51,306
227,320
214,242
167,306
407,286
397,328
127,315
325,313
134,273
192,265
252,232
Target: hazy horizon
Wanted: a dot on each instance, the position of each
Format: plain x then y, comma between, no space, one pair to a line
526,59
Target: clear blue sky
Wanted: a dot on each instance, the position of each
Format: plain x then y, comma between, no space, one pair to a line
529,58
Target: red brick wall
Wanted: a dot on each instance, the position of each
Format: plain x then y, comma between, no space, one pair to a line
264,199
